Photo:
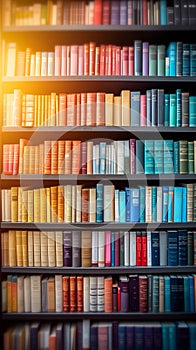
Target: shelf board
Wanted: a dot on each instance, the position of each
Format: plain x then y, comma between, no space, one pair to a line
103,226
98,28
98,316
102,79
100,177
100,270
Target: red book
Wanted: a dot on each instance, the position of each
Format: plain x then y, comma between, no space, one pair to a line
118,60
62,117
83,108
132,156
76,156
68,59
97,11
144,249
117,249
97,60
138,249
92,49
106,12
61,157
83,158
144,12
73,294
85,204
79,293
71,109
113,59
108,60
102,59
143,293
131,60
100,108
119,299
91,109
86,59
143,121
125,60
65,293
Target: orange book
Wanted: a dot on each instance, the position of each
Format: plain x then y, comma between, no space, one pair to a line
85,204
83,108
47,157
76,156
79,293
22,144
65,293
51,294
60,204
108,294
91,109
61,155
14,293
97,60
12,247
100,108
54,203
62,115
52,339
41,159
126,108
25,248
16,159
54,157
73,294
71,109
68,157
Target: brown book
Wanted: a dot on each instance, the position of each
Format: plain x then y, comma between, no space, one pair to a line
61,157
54,157
100,108
12,247
85,204
79,293
76,156
54,203
51,294
108,294
47,157
86,246
83,108
68,157
73,293
65,293
25,248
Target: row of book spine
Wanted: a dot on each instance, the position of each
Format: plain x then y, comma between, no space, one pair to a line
109,335
154,107
98,248
104,157
103,203
127,293
97,12
89,59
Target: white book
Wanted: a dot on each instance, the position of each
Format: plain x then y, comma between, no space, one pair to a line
96,159
44,248
94,248
11,59
120,157
43,335
132,239
78,203
59,248
27,294
7,203
35,293
149,249
101,248
37,248
159,204
50,69
126,248
86,293
32,65
30,249
58,293
44,64
93,293
51,249
108,203
148,204
3,205
100,293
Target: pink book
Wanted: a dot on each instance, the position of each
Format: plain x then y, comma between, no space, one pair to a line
64,61
107,248
86,59
80,60
117,249
68,60
92,49
118,60
57,60
132,156
113,60
106,11
74,60
131,60
125,59
143,121
97,61
102,59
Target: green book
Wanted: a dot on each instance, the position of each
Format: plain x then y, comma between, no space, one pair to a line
161,60
192,111
190,157
183,157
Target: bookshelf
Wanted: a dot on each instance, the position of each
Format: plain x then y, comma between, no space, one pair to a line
45,37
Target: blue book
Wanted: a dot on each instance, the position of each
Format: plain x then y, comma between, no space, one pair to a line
99,203
128,204
139,336
113,249
122,202
168,156
192,111
149,156
135,205
178,107
184,204
102,159
139,157
94,336
137,57
167,294
157,336
174,293
165,192
158,156
171,53
186,294
129,336
166,109
149,107
185,59
191,297
180,293
170,203
142,203
182,247
155,293
135,108
192,60
163,12
160,107
155,248
192,335
123,12
121,336
154,204
176,157
172,246
172,110
177,204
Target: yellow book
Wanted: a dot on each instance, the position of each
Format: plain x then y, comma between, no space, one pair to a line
117,110
37,248
30,248
19,259
43,205
60,203
125,94
30,213
10,68
12,247
24,206
36,204
22,144
54,203
67,203
32,160
48,205
78,203
14,204
109,109
37,159
25,248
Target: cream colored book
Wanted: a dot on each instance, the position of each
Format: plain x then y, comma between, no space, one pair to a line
14,204
20,293
44,248
35,292
59,248
30,248
58,293
37,248
109,109
125,94
51,249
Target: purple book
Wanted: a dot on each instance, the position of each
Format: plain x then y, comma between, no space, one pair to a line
134,293
67,248
124,293
115,12
145,58
59,336
123,12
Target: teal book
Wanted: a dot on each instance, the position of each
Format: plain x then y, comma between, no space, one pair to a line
170,203
178,107
135,108
171,53
190,157
160,107
177,204
165,193
142,203
191,296
167,296
161,49
185,59
158,156
154,204
172,337
186,294
192,111
155,293
149,107
99,202
192,60
179,58
185,108
176,157
172,110
192,335
152,60
165,336
139,157
184,204
137,57
166,109
168,157
163,12
148,156
122,203
128,203
190,249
